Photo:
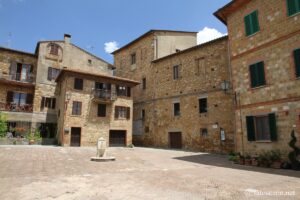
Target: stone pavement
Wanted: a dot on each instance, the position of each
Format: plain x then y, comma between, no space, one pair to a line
39,172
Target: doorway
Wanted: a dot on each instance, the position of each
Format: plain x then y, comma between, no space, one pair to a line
75,136
117,138
175,140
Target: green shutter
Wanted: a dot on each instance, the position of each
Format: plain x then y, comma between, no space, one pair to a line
293,7
272,125
247,25
255,22
250,128
297,61
253,76
261,73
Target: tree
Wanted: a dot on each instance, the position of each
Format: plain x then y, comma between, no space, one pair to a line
294,155
3,125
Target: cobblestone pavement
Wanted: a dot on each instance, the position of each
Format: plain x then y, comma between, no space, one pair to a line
39,172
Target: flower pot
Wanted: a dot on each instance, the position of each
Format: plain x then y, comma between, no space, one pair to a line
276,164
31,141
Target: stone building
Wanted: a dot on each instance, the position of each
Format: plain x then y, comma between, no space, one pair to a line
29,95
179,103
264,38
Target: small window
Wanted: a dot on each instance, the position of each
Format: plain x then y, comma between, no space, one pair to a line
297,61
144,83
204,132
52,73
293,7
257,74
101,110
133,58
54,49
203,105
48,102
76,109
261,128
123,91
176,109
78,84
251,23
143,114
89,61
176,72
122,112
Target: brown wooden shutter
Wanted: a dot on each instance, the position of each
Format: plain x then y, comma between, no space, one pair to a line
49,77
13,68
9,96
117,112
42,103
53,103
128,112
128,91
29,98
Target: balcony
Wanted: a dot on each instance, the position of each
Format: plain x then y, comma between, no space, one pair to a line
12,107
18,78
104,95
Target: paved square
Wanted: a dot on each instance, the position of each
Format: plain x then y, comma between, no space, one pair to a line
39,172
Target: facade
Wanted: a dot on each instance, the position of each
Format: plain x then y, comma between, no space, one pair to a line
265,57
179,103
29,95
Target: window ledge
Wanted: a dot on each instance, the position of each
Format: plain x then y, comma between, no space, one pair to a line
259,87
75,115
253,34
263,141
293,15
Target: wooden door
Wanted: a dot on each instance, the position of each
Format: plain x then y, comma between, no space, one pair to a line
175,140
75,136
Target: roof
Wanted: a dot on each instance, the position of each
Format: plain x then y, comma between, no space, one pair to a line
97,75
148,33
191,48
223,12
17,51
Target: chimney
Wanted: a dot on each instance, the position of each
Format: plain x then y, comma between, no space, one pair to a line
67,38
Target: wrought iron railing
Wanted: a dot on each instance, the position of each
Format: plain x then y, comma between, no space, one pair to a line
20,77
15,107
104,94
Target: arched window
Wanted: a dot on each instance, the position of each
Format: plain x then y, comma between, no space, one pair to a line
54,49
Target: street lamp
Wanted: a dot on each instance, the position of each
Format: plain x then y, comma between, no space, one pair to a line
225,85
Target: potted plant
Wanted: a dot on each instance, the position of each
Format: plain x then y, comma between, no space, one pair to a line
233,157
247,159
241,159
33,137
264,159
254,161
275,157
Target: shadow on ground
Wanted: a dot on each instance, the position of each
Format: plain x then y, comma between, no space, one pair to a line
222,161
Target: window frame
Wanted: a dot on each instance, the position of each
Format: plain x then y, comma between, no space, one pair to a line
176,72
80,87
296,62
133,58
254,68
103,112
75,110
54,49
297,8
200,104
250,24
176,112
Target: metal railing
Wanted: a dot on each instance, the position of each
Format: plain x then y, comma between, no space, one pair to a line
20,77
15,107
104,94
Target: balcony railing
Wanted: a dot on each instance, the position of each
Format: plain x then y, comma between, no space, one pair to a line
12,107
20,77
106,95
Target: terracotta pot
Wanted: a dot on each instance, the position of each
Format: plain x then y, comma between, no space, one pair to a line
31,141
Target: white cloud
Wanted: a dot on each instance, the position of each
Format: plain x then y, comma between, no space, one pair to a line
111,46
208,34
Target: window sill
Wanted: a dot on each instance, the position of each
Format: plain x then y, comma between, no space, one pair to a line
263,141
253,34
259,87
75,115
121,119
293,15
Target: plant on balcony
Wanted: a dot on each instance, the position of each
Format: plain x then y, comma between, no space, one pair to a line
3,125
294,156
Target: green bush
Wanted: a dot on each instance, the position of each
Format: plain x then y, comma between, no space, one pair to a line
3,125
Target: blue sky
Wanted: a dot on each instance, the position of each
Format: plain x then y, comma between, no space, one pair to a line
92,23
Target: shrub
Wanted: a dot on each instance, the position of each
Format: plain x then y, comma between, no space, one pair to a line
294,155
3,125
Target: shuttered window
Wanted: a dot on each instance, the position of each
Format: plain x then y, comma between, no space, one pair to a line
203,105
76,109
261,128
257,74
297,61
293,7
52,73
251,23
122,112
101,110
48,102
78,84
176,109
176,72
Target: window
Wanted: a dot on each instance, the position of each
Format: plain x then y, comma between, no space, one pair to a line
203,132
122,112
251,23
144,83
54,49
17,98
261,128
52,73
133,58
257,74
76,109
203,105
101,110
293,7
143,114
297,61
123,91
176,72
48,102
176,109
89,61
78,84
102,86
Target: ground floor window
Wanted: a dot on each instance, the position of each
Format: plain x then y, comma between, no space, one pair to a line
18,129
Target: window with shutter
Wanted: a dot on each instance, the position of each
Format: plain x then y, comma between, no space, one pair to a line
128,112
272,126
9,97
176,72
251,23
76,109
78,84
43,103
128,91
250,128
293,7
101,110
297,61
257,74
